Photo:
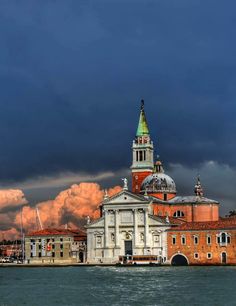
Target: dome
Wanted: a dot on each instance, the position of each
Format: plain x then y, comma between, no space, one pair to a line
158,183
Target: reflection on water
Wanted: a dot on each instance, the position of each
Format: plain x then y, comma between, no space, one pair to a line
118,286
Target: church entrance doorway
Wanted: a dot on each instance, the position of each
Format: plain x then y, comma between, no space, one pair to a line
224,258
128,247
179,260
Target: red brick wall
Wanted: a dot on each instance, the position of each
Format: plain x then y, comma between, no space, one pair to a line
202,248
137,179
164,209
206,212
161,195
192,212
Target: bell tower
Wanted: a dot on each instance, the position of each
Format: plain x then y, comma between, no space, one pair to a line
142,148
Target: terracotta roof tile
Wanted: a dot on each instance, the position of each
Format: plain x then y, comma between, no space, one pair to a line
223,223
173,220
80,238
57,232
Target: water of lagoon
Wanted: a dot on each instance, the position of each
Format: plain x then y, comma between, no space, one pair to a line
172,286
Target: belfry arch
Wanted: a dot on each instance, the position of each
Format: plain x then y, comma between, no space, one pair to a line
179,260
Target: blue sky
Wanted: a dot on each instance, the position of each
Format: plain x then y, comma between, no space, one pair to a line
72,75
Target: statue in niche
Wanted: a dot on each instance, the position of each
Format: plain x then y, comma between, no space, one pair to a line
141,237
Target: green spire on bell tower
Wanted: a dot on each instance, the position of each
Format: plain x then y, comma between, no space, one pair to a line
142,129
142,149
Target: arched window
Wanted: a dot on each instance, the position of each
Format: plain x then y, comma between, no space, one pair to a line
223,238
223,258
178,213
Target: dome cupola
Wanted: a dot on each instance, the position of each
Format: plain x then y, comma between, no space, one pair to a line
159,184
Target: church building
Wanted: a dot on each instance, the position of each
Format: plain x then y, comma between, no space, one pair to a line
127,227
152,220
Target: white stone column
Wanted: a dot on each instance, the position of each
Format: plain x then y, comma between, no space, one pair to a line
135,227
117,223
105,229
90,246
146,229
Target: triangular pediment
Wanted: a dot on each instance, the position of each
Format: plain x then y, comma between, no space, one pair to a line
126,196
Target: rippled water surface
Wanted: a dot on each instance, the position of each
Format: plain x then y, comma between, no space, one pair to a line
118,286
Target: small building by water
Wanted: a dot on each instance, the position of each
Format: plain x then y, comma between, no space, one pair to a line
55,246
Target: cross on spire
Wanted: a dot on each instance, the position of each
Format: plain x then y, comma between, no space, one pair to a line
142,104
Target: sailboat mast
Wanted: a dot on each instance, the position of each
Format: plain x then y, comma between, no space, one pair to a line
22,236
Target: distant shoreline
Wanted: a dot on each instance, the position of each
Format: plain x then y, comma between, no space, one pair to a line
7,265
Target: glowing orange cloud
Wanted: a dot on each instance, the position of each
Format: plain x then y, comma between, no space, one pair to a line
11,198
70,206
10,234
10,201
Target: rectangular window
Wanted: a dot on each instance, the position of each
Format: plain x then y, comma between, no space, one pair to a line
140,155
173,239
53,254
228,239
183,240
196,255
40,254
195,239
31,254
136,155
61,246
61,254
144,155
61,239
53,246
208,239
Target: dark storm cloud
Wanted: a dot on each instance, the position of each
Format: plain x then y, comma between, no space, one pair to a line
218,182
72,74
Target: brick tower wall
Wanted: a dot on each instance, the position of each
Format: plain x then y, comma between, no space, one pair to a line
137,179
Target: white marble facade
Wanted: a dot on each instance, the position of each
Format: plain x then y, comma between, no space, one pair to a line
127,226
